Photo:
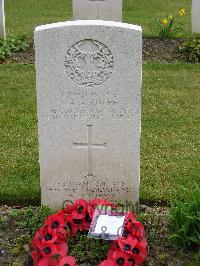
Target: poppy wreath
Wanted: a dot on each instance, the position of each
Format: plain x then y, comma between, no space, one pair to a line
49,246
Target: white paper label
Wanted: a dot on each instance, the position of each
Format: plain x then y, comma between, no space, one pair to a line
107,224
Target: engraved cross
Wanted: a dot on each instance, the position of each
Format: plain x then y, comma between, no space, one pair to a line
90,146
98,6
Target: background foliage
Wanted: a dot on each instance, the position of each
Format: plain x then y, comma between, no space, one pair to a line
185,220
190,49
28,14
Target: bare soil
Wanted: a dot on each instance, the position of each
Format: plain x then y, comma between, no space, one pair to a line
161,51
154,50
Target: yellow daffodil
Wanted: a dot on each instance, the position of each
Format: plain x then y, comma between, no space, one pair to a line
165,21
170,17
182,12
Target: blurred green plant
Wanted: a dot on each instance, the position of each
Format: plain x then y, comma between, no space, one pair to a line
167,27
190,49
12,44
184,220
19,244
197,258
87,249
32,220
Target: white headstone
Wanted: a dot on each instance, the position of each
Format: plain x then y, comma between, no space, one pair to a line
196,16
98,9
88,76
2,20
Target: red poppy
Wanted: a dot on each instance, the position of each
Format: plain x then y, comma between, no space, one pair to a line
79,209
136,229
74,225
104,202
93,204
68,260
46,234
135,248
36,255
56,221
136,234
114,263
68,209
107,262
90,211
47,262
78,218
122,258
97,201
127,244
140,252
62,249
61,234
45,248
130,217
61,212
36,250
113,247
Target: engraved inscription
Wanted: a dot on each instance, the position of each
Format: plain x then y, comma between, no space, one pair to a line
87,189
89,63
91,105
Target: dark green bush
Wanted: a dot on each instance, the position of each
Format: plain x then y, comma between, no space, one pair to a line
190,49
185,221
12,44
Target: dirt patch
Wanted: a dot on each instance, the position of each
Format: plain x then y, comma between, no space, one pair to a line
154,50
23,57
15,238
161,51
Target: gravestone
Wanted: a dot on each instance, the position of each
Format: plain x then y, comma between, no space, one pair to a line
98,9
88,77
196,16
2,20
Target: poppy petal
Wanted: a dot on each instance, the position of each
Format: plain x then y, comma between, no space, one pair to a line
67,260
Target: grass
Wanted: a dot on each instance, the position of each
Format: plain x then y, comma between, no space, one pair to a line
19,164
170,131
143,12
22,16
171,128
184,221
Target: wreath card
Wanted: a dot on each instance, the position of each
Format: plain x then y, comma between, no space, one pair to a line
107,223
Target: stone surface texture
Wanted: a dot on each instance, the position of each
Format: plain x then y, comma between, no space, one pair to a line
2,20
97,9
88,77
196,16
